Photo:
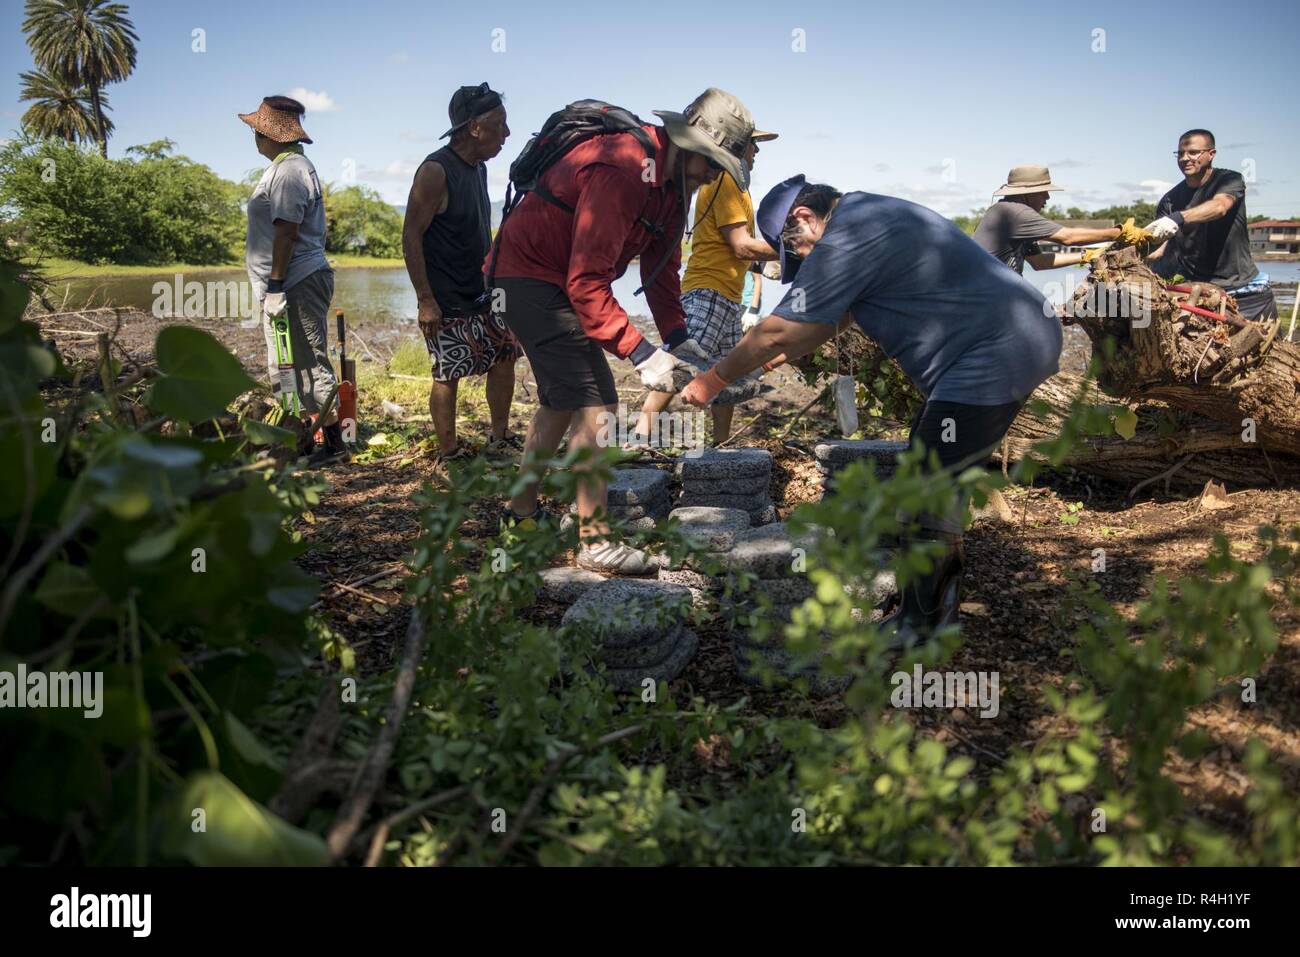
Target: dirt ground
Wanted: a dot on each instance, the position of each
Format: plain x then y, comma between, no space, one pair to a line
1012,614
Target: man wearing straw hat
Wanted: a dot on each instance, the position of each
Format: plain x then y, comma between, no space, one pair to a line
1012,227
723,245
286,261
608,200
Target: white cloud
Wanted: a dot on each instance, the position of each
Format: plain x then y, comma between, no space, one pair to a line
315,102
411,137
948,199
398,169
1146,189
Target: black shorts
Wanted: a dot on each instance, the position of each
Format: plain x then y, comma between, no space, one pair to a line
571,370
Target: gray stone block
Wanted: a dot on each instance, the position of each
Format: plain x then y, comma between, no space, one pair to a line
715,529
756,502
779,591
766,552
645,655
752,485
623,612
749,661
567,585
691,579
765,516
837,453
629,679
637,486
725,464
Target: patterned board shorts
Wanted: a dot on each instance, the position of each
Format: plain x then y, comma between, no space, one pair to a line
470,345
713,321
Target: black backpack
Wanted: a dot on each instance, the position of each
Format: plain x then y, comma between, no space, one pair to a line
562,131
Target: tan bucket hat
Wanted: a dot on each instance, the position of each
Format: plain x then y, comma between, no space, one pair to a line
716,125
277,119
1028,179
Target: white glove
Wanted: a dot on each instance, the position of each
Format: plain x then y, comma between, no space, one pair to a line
690,351
748,321
1162,228
657,372
275,304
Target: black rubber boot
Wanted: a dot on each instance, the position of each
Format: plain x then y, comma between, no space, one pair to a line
932,601
332,451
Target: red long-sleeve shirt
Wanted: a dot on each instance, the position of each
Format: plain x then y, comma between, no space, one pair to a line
583,252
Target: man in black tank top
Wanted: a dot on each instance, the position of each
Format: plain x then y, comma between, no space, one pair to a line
445,237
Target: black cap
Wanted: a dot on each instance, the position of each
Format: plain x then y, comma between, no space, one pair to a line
469,102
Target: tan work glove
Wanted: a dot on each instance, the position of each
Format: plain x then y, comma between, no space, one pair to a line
1131,234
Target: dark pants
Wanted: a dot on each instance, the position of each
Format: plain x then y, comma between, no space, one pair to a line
1260,305
961,436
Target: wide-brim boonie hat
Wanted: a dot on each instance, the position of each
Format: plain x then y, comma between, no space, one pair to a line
282,126
1028,179
716,125
770,220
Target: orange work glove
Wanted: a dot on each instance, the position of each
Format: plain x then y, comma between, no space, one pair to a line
704,388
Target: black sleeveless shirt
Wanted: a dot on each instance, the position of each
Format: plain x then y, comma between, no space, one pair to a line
458,239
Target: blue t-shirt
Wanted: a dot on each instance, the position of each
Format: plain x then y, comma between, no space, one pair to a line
963,326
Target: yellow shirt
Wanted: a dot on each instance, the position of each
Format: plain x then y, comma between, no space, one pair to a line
712,264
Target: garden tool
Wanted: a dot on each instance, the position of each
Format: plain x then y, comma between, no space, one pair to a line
347,382
290,403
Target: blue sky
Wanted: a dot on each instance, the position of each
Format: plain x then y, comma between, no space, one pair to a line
930,101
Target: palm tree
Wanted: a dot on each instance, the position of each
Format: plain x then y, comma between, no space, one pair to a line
89,43
60,109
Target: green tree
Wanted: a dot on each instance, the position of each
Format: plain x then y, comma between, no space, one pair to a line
149,208
968,224
59,108
89,43
360,221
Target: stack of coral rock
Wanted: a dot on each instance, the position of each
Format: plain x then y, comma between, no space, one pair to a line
769,582
636,497
638,627
728,478
832,456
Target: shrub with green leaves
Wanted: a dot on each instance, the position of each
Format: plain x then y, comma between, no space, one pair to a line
133,548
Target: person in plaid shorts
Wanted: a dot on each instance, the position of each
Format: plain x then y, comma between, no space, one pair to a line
722,248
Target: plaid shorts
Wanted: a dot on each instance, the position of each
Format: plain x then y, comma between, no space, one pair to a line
470,345
712,320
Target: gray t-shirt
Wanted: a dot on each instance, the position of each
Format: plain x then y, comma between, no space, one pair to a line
288,190
1010,230
962,326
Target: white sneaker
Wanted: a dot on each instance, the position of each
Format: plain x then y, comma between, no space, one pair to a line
615,558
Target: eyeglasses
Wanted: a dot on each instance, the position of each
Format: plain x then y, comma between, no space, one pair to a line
1194,154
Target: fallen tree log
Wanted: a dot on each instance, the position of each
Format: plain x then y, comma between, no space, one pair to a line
1164,437
1183,448
1188,345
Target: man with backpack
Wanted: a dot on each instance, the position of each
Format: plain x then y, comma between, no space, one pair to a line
601,187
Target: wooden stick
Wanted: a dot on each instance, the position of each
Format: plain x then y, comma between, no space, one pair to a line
799,415
1166,475
375,767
